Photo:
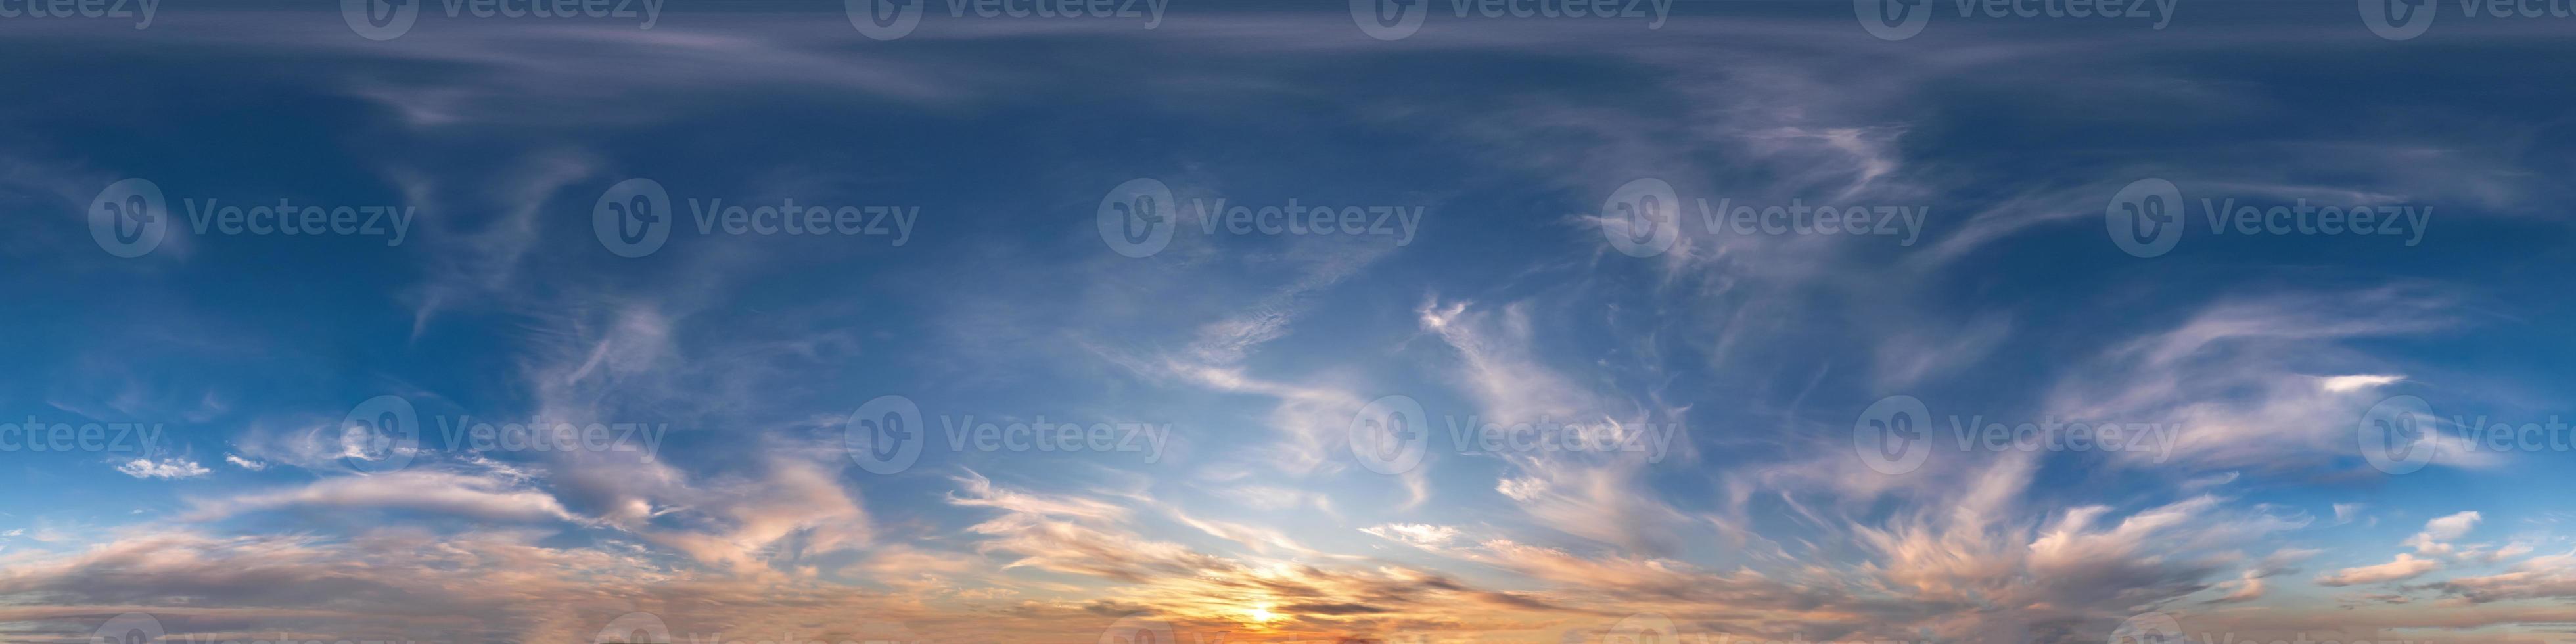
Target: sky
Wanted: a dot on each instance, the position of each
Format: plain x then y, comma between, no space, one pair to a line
681,321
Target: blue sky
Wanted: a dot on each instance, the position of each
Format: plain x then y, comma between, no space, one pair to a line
1532,233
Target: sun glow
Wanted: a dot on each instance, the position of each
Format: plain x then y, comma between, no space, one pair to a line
1262,613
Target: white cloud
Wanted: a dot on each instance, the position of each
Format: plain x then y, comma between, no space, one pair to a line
2441,530
1419,534
168,468
2340,384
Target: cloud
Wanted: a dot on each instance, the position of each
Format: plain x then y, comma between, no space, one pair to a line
2340,384
2546,577
1424,535
2406,566
2443,529
167,468
487,497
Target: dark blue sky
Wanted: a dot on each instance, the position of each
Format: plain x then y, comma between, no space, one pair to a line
1028,328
